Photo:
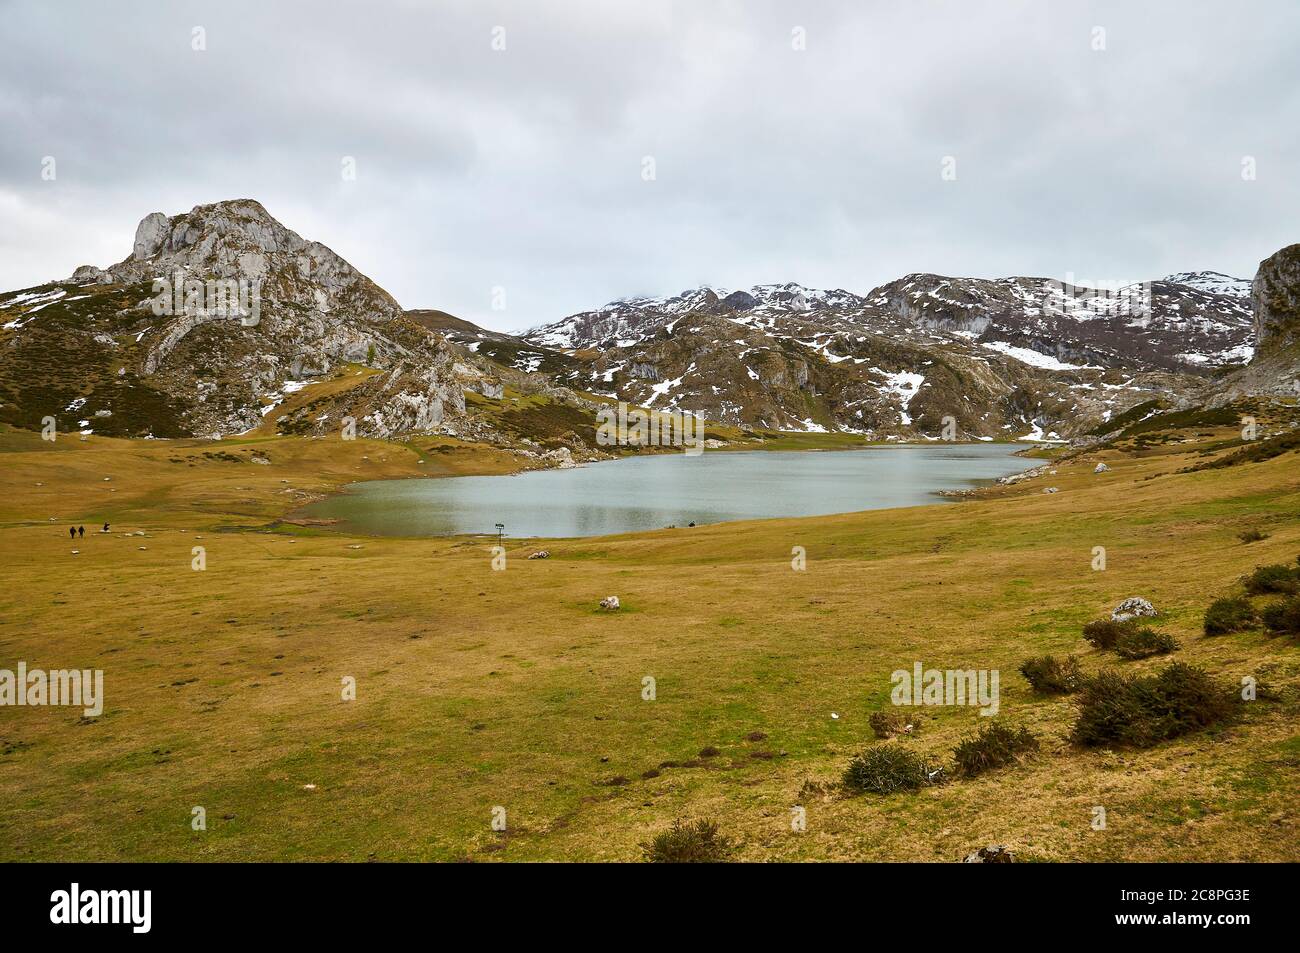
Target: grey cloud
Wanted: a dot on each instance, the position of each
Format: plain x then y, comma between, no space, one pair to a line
521,169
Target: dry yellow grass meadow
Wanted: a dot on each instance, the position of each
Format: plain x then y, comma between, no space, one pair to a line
479,689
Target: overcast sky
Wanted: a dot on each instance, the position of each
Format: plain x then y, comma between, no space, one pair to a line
525,168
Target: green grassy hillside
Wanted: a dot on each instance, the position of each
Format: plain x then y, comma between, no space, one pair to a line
478,689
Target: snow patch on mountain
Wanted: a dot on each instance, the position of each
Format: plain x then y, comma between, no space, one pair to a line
1031,357
1213,282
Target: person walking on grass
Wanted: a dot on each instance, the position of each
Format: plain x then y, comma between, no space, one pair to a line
81,531
72,532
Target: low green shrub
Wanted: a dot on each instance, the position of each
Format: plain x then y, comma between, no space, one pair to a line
1049,675
1144,643
1104,633
1283,616
993,746
1252,536
1229,614
1275,578
1256,451
1141,711
688,843
886,768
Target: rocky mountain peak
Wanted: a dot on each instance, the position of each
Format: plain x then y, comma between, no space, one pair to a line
240,221
239,239
220,321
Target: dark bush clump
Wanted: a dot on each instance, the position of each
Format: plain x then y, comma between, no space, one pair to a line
1048,675
1104,633
1276,578
886,724
1229,614
993,746
1142,711
1252,536
1283,616
685,843
1144,643
1256,451
884,769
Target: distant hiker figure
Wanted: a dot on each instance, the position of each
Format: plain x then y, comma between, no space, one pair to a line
72,531
81,531
105,529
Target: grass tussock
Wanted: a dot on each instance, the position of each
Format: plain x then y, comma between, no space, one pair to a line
1049,675
699,842
1229,614
885,769
1144,643
1142,711
994,745
887,724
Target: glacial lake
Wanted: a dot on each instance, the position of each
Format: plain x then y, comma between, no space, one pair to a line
641,493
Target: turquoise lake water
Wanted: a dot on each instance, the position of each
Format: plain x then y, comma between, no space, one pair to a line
640,493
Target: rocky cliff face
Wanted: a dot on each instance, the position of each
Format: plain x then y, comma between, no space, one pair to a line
1275,295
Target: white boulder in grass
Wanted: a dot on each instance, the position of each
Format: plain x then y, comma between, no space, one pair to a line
1132,608
1100,468
540,554
610,603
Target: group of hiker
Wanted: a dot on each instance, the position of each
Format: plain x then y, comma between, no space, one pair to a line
75,531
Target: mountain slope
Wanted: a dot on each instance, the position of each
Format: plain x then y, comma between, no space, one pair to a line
1011,357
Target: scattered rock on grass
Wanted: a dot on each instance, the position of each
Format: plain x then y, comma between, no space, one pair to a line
1131,608
609,603
540,554
1101,468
